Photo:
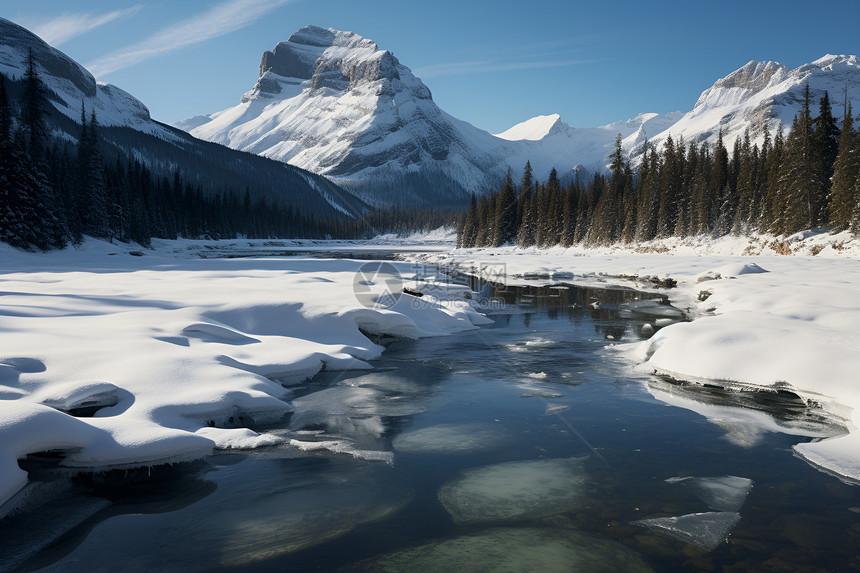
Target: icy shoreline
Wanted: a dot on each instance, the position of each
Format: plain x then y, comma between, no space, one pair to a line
761,322
122,360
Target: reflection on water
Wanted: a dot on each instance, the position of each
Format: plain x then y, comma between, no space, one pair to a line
526,445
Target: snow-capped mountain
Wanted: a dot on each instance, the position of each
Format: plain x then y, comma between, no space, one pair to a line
72,84
762,95
547,142
126,124
337,104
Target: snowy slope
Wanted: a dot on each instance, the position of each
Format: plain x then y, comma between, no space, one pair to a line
334,103
533,129
72,84
762,95
127,125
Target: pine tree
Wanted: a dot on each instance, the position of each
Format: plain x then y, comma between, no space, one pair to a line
94,206
569,214
10,175
527,209
32,207
649,204
700,189
826,144
505,228
799,206
746,183
770,218
671,173
846,169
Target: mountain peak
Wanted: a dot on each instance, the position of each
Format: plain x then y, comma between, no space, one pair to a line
329,58
534,129
753,76
328,37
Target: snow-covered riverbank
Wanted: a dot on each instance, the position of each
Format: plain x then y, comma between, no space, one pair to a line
762,321
178,355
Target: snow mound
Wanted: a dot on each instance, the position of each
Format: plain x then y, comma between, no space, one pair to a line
117,362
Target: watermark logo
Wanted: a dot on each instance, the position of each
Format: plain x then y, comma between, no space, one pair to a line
377,285
496,273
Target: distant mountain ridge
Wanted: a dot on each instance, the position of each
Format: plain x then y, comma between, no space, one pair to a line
337,104
126,126
763,95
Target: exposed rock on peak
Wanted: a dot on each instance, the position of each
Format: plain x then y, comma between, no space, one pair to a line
754,76
331,58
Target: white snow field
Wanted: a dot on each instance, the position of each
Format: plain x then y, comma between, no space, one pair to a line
121,361
767,322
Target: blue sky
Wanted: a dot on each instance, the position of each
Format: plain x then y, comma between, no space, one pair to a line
493,63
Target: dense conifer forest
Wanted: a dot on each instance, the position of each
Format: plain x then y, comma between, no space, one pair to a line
806,179
54,190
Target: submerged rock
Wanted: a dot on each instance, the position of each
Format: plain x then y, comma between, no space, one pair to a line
451,439
519,549
705,530
515,490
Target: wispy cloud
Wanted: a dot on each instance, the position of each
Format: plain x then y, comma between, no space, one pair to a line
461,68
222,19
64,27
550,54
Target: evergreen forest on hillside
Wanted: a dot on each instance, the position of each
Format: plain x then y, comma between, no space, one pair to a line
807,179
56,189
53,191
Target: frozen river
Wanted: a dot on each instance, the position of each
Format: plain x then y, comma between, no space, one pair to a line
526,445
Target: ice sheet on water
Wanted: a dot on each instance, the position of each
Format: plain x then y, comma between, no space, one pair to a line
532,344
726,493
344,447
655,309
451,439
705,530
555,409
513,549
284,508
515,490
354,401
538,393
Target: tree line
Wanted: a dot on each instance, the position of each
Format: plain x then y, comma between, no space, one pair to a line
806,179
54,190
